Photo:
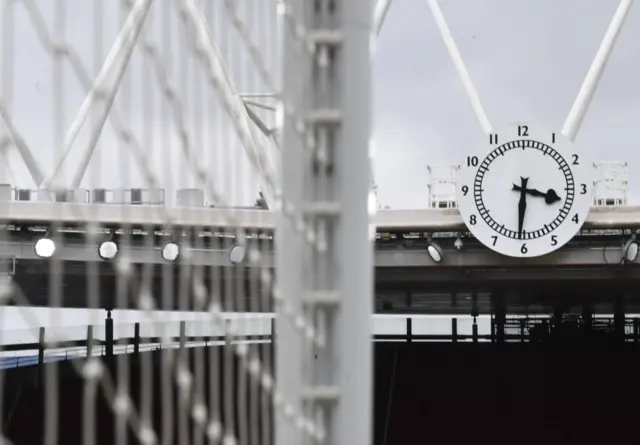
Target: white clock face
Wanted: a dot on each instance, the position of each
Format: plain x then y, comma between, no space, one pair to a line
527,193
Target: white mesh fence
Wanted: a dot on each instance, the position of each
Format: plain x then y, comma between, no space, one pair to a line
165,109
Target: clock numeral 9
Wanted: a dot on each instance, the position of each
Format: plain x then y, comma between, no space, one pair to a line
554,240
472,161
583,189
524,249
465,190
472,220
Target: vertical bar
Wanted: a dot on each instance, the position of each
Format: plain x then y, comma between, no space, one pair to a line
108,335
89,341
409,329
474,331
136,338
41,346
454,330
353,240
289,243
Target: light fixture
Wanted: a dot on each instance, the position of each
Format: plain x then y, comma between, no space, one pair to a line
45,247
630,250
170,251
237,254
108,250
435,252
458,244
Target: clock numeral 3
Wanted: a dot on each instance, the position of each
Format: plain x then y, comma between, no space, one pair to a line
523,130
495,240
524,249
554,240
583,189
472,220
575,218
472,161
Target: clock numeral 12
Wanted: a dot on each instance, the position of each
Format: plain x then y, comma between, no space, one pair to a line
523,130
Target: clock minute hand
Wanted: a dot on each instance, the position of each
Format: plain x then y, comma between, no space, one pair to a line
522,204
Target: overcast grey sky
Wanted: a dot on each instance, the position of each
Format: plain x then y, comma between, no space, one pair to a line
527,59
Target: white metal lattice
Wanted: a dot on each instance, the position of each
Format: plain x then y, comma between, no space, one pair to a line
155,101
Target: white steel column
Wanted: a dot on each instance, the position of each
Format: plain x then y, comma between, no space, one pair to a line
456,57
331,381
590,84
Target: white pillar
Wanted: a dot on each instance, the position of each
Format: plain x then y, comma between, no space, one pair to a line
336,387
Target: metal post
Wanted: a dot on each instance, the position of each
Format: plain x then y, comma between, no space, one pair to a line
136,338
41,346
89,341
330,182
108,335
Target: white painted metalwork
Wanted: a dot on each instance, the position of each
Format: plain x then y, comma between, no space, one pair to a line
442,186
587,90
330,280
428,220
611,185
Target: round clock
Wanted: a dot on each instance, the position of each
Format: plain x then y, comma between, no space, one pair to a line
527,193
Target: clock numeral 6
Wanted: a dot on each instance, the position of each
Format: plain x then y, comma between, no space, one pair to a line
472,161
583,189
472,220
465,190
554,240
524,249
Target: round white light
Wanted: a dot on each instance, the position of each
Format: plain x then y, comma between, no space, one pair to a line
236,254
631,251
170,251
435,252
45,247
108,250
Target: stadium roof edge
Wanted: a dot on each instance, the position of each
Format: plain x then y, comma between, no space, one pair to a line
428,220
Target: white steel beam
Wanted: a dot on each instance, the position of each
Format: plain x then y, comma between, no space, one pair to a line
380,14
456,57
213,61
120,51
590,84
426,220
25,152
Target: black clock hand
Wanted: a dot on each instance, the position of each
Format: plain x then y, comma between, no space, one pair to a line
550,197
522,204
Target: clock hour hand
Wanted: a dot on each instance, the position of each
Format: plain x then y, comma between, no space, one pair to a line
550,197
522,204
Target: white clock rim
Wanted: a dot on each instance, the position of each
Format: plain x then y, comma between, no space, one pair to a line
535,248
